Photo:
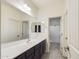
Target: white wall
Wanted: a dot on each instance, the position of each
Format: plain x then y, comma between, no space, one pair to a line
54,10
9,15
0,22
73,23
73,28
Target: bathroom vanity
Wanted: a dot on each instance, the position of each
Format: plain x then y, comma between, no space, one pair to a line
24,49
35,52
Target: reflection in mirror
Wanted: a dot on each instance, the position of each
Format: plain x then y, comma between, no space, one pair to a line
37,27
25,30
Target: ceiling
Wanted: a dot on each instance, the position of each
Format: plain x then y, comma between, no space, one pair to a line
23,5
44,3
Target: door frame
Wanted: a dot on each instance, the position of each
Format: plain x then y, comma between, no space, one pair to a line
49,27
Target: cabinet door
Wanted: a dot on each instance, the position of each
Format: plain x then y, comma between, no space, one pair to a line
37,54
43,47
37,51
22,56
31,57
30,52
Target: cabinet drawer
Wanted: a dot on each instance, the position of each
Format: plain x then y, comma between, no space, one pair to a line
38,47
43,42
22,56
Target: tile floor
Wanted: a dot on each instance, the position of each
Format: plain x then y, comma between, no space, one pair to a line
54,52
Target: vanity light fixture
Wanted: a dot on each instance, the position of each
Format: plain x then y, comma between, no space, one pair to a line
21,5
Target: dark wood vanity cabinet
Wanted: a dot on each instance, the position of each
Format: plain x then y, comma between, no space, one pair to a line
29,54
40,49
35,52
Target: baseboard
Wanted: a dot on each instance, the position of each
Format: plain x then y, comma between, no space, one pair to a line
72,47
74,53
54,43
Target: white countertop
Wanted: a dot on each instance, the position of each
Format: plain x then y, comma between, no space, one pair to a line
13,49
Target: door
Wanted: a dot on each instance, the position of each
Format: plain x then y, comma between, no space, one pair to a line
25,30
54,30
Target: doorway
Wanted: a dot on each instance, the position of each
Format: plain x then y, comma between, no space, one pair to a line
25,30
54,30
